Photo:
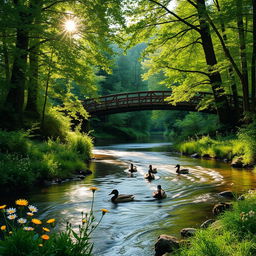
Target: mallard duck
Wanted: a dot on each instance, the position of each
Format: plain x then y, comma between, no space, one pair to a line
181,171
152,170
149,175
120,198
132,169
160,193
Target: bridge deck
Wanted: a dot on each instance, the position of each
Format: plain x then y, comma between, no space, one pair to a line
144,100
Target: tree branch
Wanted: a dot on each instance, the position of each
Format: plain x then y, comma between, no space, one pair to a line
187,71
176,16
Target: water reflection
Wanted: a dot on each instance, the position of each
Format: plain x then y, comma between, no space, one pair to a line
132,228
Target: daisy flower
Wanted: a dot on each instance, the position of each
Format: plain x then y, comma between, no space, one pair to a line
12,216
10,210
32,208
21,221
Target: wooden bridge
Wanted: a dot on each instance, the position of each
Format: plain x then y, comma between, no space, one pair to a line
144,100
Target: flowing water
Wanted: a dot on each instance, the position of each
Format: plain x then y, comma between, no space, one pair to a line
131,228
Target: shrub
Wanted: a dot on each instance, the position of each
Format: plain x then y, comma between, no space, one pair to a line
80,143
16,172
14,142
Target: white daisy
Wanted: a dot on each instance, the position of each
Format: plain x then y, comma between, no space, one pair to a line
12,216
28,228
21,221
10,210
32,208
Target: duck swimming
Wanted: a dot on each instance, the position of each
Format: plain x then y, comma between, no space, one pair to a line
160,193
120,198
152,170
132,169
149,175
181,171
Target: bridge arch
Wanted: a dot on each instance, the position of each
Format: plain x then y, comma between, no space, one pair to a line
143,100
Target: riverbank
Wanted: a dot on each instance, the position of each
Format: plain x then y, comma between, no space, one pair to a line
239,152
233,234
25,162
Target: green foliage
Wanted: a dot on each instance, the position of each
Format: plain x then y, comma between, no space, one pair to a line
80,143
24,162
56,125
234,235
247,136
16,172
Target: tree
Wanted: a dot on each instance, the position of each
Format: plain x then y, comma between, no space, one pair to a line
164,26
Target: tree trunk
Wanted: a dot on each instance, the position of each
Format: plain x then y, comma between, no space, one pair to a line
221,101
33,85
6,58
15,97
253,65
31,106
245,80
231,72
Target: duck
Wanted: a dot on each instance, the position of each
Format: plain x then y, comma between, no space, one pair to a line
160,193
152,170
181,171
132,169
120,198
149,175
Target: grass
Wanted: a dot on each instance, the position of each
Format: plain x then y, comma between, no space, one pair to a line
219,148
233,236
24,162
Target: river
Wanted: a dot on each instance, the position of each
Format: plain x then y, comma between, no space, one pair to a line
132,228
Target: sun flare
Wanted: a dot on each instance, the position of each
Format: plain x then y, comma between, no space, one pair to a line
70,26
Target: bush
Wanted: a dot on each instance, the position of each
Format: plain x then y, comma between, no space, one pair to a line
80,143
56,125
14,142
16,172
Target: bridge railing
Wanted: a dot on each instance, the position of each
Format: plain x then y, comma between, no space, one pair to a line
125,100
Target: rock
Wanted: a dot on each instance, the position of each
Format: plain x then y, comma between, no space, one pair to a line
206,156
188,232
225,160
237,162
228,194
166,244
240,198
207,223
195,155
84,172
220,208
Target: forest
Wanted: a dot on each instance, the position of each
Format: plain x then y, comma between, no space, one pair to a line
55,54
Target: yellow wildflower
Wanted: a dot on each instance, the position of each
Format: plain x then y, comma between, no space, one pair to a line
45,237
21,202
46,229
84,221
3,228
40,245
2,206
104,211
36,221
50,221
93,189
30,213
10,232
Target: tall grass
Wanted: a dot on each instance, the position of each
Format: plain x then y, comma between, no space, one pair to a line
220,148
235,235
